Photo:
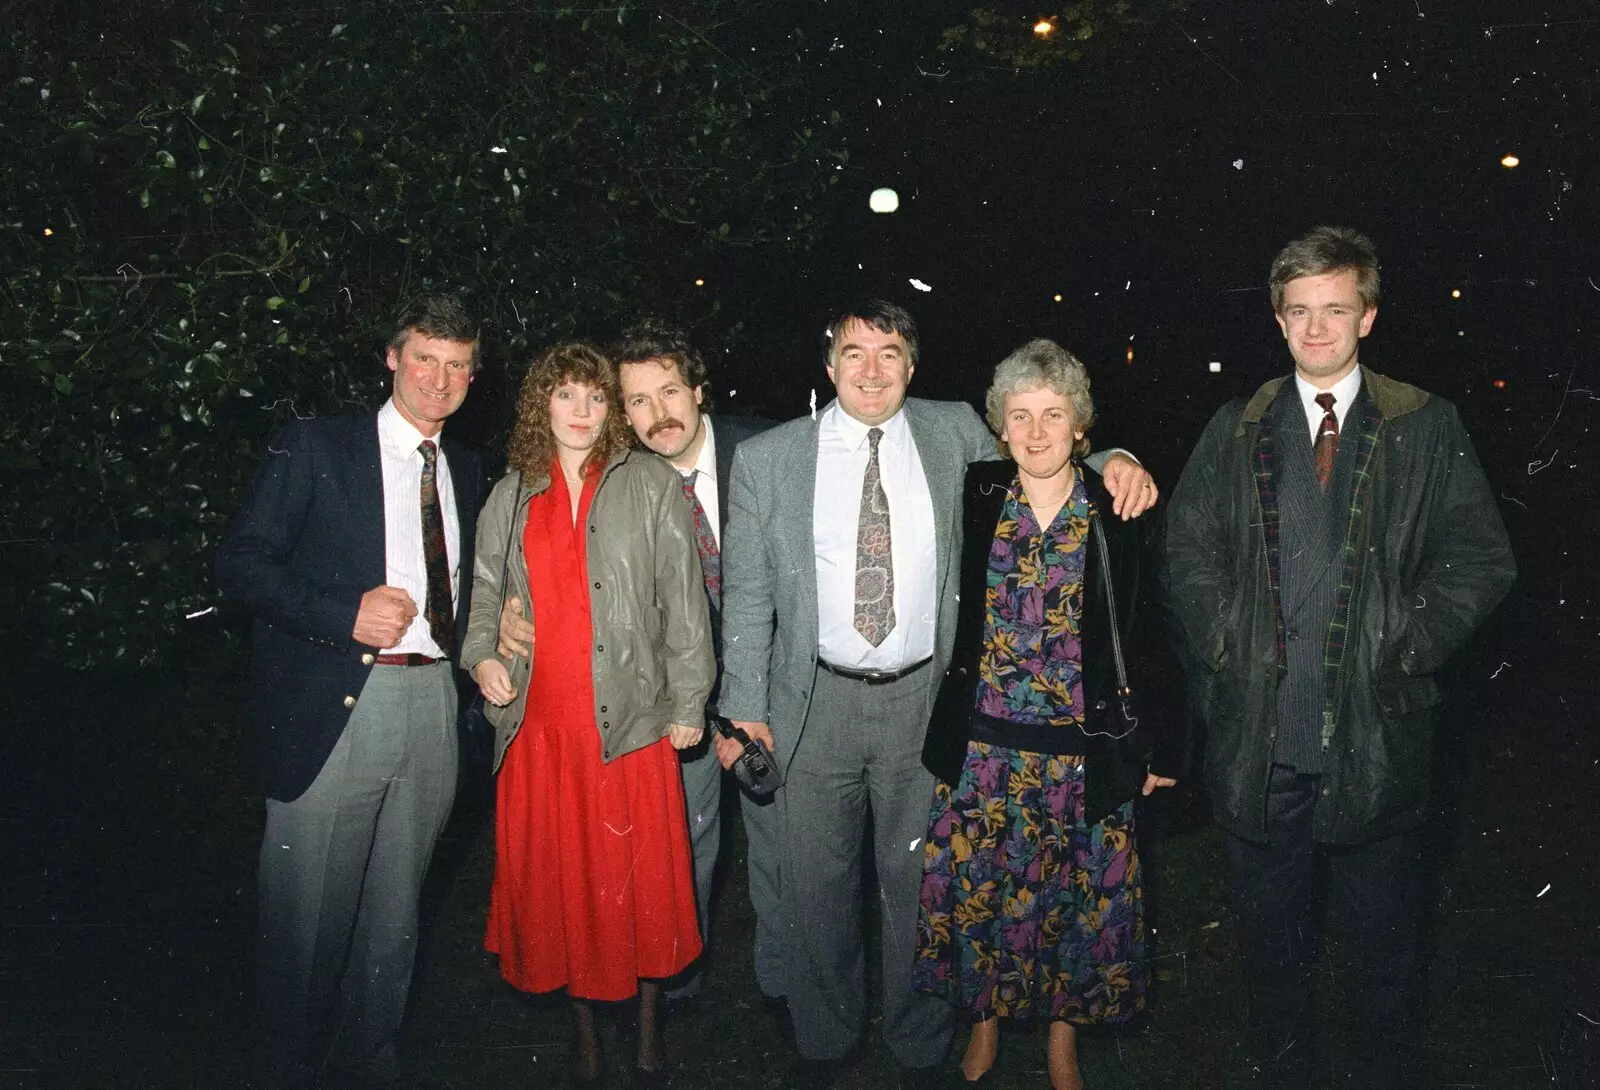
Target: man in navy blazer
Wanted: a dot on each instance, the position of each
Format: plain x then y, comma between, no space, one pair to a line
351,549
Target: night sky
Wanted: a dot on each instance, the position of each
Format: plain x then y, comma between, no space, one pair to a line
1150,184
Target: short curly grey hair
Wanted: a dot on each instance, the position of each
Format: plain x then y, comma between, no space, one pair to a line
1041,363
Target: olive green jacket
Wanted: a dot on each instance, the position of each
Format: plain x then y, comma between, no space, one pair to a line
653,664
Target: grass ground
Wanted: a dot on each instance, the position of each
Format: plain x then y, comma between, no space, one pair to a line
128,827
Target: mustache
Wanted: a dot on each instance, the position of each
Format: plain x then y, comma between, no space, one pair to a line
662,425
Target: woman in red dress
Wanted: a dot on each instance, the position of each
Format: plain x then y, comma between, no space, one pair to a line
593,886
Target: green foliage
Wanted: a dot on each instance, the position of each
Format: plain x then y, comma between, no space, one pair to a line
990,38
221,205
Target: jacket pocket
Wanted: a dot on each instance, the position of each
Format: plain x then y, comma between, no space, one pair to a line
1403,696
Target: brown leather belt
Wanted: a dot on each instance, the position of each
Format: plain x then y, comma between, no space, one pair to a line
410,658
873,677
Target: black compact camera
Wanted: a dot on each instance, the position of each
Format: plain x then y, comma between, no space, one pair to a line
756,769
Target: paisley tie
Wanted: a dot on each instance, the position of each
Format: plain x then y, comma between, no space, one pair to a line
874,558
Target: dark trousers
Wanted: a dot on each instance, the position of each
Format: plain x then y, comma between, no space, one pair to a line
1373,895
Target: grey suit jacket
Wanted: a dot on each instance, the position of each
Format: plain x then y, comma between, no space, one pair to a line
769,568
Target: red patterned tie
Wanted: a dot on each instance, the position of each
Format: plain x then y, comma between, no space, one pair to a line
1327,443
705,543
874,555
440,611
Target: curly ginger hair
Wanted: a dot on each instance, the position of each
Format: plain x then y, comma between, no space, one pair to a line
533,446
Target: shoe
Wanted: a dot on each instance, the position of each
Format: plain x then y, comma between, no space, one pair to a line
933,1078
814,1074
776,1008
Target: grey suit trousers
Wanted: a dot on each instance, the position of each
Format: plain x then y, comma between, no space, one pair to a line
861,748
340,877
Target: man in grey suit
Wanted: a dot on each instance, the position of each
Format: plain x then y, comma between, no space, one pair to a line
839,609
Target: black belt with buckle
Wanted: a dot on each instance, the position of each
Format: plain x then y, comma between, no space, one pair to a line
873,677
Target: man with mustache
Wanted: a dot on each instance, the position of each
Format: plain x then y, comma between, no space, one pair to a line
839,614
665,394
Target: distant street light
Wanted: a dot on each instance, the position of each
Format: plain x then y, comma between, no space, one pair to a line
1044,28
1510,161
883,201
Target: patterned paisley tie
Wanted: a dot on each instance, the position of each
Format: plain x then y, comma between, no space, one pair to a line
440,611
874,558
1327,443
705,543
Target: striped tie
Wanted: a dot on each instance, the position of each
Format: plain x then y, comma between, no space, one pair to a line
1327,444
440,611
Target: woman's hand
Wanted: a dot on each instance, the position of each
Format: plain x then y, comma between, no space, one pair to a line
1152,781
684,737
494,682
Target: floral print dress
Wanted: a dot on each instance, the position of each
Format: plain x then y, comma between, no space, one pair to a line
1027,911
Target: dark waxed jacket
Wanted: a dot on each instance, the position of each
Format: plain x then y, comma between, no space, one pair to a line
1430,560
1114,769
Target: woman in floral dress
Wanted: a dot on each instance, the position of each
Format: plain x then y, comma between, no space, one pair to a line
1032,893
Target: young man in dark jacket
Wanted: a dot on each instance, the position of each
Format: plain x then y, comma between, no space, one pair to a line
1332,541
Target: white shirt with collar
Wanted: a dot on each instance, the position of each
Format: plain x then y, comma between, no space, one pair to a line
1344,395
404,563
842,454
706,488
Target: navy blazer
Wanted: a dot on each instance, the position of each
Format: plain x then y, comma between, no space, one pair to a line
303,548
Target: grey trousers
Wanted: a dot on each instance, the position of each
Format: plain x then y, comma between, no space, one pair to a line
703,780
861,748
340,877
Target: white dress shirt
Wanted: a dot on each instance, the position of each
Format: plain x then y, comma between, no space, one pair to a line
1344,395
842,454
404,563
705,485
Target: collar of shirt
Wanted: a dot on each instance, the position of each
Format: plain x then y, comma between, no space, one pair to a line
853,433
404,562
706,463
1344,395
397,435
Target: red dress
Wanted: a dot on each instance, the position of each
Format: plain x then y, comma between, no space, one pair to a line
593,879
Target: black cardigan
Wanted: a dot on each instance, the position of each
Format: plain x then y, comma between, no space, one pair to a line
1114,768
